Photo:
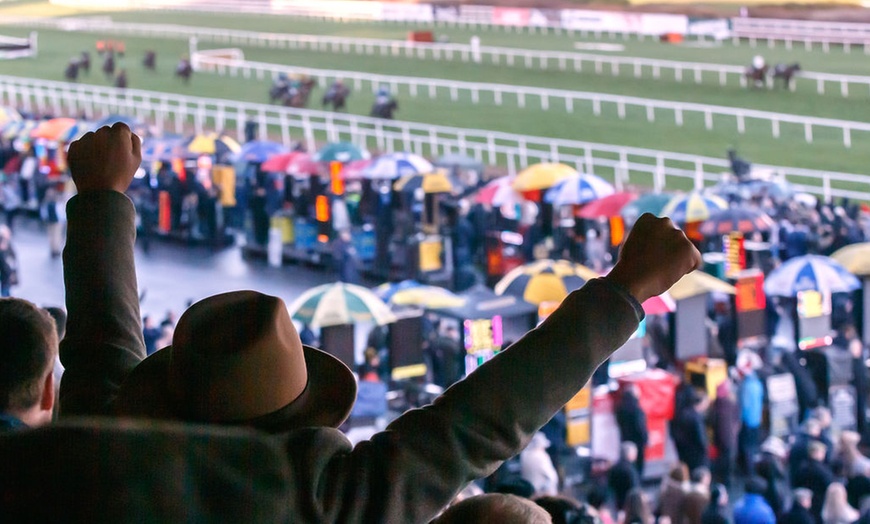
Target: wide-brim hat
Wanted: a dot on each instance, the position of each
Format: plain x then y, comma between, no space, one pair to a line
236,359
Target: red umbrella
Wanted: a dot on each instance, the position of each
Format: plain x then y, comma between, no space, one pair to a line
295,163
659,305
354,170
607,207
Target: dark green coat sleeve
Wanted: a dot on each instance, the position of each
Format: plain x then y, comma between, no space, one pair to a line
410,471
103,341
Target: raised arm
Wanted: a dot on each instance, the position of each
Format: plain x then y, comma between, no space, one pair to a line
103,340
411,470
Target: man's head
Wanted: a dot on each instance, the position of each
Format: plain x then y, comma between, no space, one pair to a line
628,451
28,339
817,450
823,415
701,476
495,507
812,427
804,497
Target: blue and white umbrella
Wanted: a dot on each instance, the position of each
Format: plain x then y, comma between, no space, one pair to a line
578,189
395,165
809,272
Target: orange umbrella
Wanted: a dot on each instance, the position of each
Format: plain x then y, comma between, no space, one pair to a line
53,129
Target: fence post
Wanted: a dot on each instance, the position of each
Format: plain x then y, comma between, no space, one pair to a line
847,136
490,148
808,132
775,128
659,173
699,175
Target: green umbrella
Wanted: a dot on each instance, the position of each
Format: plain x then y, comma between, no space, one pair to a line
341,152
648,203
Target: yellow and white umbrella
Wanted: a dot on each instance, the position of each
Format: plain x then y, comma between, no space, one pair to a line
545,280
542,176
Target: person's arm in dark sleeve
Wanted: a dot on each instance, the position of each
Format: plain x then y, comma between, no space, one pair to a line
103,341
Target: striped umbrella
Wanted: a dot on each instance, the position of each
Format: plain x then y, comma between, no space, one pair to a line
578,189
54,129
212,144
8,114
498,192
339,304
659,304
437,182
743,219
693,207
354,170
19,129
544,280
648,203
542,176
809,272
395,165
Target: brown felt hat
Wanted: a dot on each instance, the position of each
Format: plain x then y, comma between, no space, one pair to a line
236,358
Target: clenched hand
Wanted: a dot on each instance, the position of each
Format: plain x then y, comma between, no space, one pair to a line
655,255
106,159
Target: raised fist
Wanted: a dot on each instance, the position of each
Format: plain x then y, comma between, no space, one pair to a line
105,159
654,256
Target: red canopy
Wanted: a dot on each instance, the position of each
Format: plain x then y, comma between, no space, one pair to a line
297,163
606,207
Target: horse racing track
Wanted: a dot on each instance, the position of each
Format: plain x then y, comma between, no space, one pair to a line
693,133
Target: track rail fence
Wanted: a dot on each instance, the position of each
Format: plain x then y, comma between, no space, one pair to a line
623,165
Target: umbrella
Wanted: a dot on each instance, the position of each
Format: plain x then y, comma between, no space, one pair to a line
132,122
340,152
698,283
742,219
55,129
259,151
693,207
498,192
212,144
578,189
386,290
158,149
746,189
659,304
19,129
809,272
395,165
354,170
296,163
648,203
339,304
542,176
427,297
606,207
855,258
7,114
454,161
437,182
544,280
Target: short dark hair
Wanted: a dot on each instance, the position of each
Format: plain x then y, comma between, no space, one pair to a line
28,347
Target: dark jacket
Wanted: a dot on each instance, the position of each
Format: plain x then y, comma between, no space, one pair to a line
816,477
621,479
726,423
752,509
771,470
632,421
690,437
796,515
306,475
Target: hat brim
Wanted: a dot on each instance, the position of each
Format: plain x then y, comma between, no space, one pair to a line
326,401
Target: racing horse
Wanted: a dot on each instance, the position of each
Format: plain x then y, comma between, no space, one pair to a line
85,62
150,60
298,92
109,64
756,75
785,72
71,73
184,70
336,95
384,108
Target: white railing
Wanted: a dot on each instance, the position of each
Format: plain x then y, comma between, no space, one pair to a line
18,47
623,165
801,31
500,93
698,72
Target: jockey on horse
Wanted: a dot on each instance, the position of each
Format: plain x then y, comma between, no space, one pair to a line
336,95
786,72
757,72
384,104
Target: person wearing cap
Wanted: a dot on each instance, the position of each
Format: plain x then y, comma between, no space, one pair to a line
236,361
799,513
771,467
